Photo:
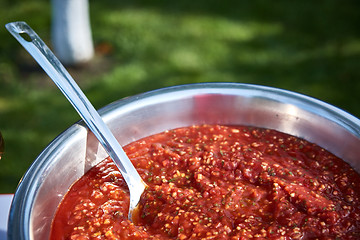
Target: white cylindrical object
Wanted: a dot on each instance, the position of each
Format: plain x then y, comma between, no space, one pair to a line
71,31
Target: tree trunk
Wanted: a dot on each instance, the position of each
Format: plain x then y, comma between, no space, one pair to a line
71,31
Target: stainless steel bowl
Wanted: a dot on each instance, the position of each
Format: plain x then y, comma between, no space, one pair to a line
76,150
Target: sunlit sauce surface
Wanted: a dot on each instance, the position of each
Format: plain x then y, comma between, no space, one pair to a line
218,182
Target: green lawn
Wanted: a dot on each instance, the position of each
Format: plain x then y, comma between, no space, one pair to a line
312,47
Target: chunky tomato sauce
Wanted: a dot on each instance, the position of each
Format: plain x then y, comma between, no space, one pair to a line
218,182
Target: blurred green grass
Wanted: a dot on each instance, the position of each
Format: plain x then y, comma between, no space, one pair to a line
308,47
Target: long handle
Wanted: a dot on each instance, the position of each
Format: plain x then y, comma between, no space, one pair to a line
57,72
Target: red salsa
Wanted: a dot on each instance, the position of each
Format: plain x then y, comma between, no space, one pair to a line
218,182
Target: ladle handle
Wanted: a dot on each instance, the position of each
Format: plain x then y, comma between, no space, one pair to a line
57,72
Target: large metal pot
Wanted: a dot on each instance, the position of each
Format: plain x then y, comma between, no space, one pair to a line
76,150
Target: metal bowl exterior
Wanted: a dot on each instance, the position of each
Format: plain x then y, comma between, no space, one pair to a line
76,150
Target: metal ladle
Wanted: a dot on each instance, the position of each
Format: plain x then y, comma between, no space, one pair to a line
57,72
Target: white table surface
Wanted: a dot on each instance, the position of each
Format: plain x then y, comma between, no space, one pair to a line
5,202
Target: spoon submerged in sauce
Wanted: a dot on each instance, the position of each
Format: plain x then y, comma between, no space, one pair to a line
57,72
